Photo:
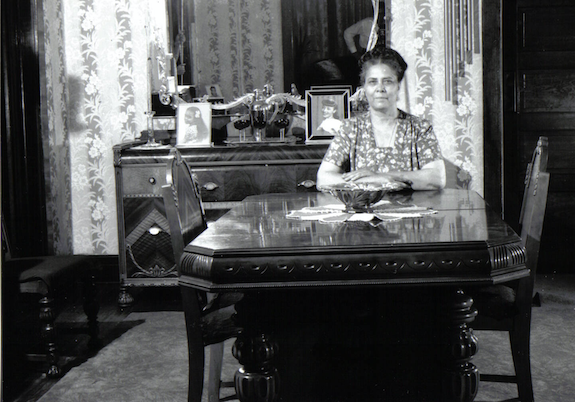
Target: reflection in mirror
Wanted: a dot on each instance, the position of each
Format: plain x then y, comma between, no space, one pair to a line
315,48
241,47
236,45
180,13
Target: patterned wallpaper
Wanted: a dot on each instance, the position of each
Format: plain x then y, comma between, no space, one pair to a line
97,84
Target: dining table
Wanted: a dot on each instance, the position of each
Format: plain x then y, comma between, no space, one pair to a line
328,288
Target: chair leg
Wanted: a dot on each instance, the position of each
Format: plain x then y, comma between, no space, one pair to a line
48,333
519,339
91,309
215,373
195,343
125,299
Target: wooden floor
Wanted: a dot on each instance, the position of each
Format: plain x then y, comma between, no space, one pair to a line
27,382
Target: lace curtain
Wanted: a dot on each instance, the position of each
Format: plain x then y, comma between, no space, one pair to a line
418,34
96,93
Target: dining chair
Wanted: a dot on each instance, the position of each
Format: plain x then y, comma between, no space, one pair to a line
52,279
208,322
508,307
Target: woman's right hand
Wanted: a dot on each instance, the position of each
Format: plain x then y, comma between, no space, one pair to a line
356,175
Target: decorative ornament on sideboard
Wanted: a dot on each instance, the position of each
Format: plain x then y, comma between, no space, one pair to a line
264,109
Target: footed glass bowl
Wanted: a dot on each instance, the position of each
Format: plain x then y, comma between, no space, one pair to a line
361,197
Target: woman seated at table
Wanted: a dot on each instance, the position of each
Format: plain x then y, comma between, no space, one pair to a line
384,144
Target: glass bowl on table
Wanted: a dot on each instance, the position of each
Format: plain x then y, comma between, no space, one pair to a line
360,197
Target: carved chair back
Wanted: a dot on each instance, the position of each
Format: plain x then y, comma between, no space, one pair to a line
184,208
534,203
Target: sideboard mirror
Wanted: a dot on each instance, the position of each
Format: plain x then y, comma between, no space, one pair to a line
301,42
301,33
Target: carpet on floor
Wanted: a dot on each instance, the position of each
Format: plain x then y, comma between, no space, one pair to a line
149,362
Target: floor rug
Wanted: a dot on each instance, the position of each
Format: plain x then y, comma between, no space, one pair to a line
149,362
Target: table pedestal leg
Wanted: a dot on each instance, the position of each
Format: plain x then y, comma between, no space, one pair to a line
461,377
258,379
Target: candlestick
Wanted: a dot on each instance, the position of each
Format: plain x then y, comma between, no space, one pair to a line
150,85
172,85
151,138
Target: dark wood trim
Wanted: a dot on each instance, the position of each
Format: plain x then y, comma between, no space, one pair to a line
106,268
23,185
288,43
493,102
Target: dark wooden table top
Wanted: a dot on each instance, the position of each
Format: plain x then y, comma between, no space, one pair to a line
256,246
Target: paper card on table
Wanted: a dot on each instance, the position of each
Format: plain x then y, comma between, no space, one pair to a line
333,218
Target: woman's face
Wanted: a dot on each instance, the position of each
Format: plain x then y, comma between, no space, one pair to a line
381,87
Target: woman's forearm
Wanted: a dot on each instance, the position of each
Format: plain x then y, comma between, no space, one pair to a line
419,179
430,177
328,175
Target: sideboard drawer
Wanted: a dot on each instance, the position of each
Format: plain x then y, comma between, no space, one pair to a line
234,183
210,182
143,180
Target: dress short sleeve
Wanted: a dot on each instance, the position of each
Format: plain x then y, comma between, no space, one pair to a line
426,146
339,150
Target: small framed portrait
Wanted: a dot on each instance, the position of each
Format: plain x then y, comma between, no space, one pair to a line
194,124
214,91
325,111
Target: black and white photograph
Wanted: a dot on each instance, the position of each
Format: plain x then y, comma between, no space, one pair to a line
194,123
325,112
287,201
214,91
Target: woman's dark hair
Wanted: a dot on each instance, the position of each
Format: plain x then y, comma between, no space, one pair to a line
382,55
192,109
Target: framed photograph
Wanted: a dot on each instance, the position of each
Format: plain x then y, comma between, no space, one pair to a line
325,110
194,125
214,91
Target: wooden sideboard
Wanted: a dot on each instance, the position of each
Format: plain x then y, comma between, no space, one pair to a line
225,176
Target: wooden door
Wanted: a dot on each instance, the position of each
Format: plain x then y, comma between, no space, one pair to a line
539,100
23,203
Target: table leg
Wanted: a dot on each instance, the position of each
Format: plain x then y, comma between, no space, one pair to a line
257,380
461,377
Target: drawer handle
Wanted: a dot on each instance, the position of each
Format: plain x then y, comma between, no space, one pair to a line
307,183
152,180
211,186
